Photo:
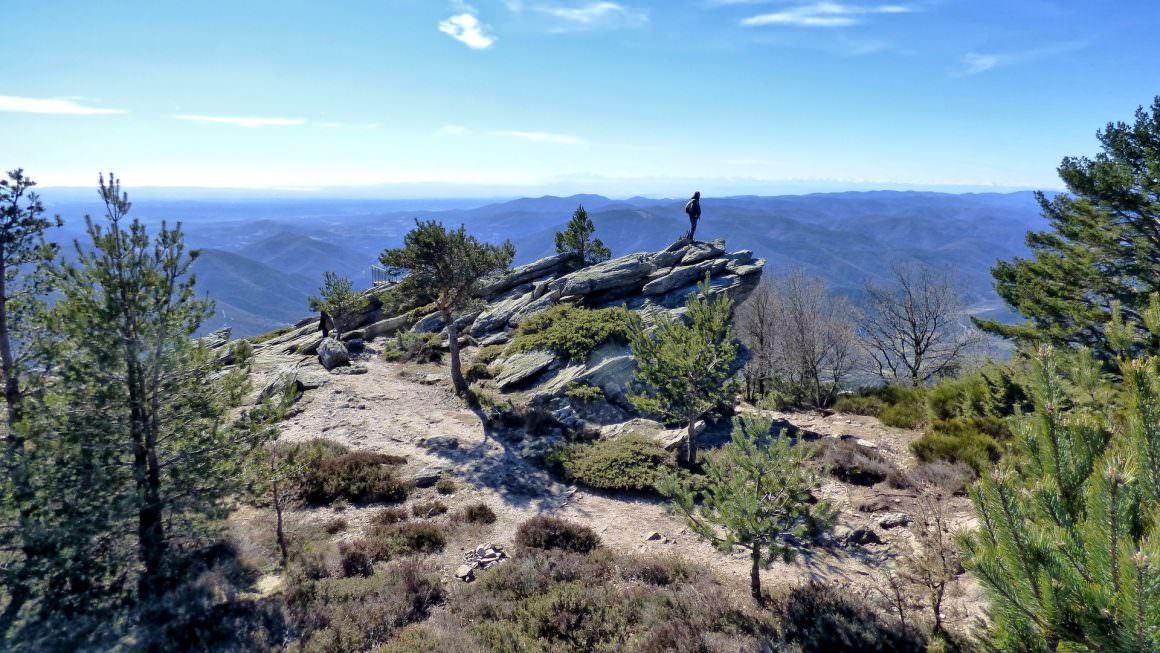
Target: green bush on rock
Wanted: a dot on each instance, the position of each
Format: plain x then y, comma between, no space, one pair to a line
571,332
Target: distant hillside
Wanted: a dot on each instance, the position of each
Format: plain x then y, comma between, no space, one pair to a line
264,258
297,254
250,297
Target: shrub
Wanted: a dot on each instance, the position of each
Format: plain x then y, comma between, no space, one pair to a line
584,392
657,570
976,450
631,462
952,478
903,416
475,513
355,613
387,541
390,516
817,618
487,355
445,486
326,471
993,391
971,441
860,405
544,532
572,332
428,508
572,617
335,525
850,462
354,559
478,371
412,347
415,638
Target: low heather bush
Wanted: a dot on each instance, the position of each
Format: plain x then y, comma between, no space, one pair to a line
543,532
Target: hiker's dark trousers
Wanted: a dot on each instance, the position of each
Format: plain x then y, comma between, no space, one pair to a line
692,228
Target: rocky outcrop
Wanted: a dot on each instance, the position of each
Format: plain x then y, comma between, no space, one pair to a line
653,285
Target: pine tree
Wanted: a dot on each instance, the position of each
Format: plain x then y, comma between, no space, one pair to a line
757,488
338,299
127,312
24,256
1103,246
688,367
451,264
1068,545
577,240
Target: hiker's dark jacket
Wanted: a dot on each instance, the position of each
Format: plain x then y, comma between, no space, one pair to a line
693,209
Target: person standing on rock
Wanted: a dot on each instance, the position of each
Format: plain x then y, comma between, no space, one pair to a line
325,324
693,210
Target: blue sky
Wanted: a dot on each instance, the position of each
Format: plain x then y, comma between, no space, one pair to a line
486,97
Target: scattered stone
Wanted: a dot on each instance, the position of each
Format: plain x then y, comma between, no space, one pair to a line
874,504
481,557
332,354
894,520
465,573
441,442
427,477
350,369
431,379
862,536
653,537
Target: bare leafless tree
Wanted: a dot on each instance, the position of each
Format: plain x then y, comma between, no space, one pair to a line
914,328
802,337
755,322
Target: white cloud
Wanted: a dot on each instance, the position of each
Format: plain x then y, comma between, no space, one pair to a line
59,107
540,137
241,121
451,130
467,29
595,14
823,14
977,63
974,63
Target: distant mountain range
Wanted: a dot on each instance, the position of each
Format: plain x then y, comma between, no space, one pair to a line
261,260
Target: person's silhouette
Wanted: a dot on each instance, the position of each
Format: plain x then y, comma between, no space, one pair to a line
693,210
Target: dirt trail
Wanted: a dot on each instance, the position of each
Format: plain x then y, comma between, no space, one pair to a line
388,410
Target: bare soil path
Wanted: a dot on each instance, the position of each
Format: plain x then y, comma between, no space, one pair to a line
392,409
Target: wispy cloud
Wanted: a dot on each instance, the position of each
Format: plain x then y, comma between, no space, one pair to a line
58,107
974,63
823,14
241,121
540,137
467,29
594,14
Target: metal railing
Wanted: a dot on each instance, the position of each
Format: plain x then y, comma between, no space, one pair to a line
379,275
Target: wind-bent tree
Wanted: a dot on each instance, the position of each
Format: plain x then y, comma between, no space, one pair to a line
338,299
24,256
577,240
757,488
687,366
1068,544
451,264
1103,245
914,329
128,312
